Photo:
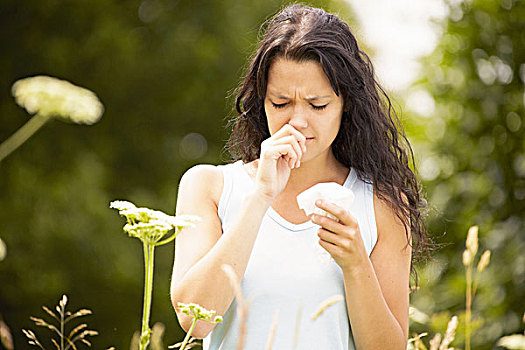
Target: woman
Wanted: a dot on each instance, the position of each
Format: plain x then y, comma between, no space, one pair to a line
310,111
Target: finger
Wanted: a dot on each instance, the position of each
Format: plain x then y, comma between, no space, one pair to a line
272,151
343,215
292,140
268,151
289,161
290,134
327,223
286,151
329,236
287,129
332,249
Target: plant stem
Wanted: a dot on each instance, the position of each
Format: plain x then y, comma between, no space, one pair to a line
149,251
63,311
475,285
169,239
21,135
187,338
468,313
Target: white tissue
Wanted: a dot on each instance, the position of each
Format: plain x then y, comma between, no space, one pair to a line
329,192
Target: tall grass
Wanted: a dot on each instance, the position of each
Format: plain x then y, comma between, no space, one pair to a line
422,341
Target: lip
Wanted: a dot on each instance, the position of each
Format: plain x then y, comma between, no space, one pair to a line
309,139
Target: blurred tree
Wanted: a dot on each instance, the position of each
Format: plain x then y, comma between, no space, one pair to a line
165,71
472,157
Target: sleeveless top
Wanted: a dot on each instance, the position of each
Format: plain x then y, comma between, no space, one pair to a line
289,271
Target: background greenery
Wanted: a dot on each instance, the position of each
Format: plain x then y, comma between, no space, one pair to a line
165,71
471,151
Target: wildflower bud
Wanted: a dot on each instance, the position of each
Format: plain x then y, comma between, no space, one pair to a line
450,333
3,250
484,260
472,240
434,343
63,301
467,257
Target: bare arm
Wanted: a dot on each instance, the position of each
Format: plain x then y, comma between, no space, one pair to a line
376,288
201,251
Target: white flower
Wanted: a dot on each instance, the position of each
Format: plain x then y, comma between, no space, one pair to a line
182,220
150,226
198,312
153,225
121,205
52,97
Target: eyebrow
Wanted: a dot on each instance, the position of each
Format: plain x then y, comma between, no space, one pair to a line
282,97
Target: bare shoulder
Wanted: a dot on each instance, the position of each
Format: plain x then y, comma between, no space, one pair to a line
199,192
391,258
387,219
203,181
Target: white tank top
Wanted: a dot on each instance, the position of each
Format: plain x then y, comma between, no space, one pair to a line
289,271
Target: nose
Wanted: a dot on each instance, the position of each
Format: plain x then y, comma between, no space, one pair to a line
298,118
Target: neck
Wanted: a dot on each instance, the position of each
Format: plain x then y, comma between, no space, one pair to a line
321,169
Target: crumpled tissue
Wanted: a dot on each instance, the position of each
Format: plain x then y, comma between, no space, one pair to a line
330,192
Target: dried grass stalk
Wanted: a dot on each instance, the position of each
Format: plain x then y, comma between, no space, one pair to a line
273,328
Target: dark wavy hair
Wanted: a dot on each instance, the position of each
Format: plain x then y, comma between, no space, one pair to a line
370,139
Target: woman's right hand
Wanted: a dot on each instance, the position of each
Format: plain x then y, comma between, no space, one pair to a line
280,153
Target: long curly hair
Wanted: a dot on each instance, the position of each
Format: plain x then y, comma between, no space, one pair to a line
370,139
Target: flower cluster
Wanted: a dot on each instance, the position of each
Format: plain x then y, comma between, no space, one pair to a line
199,313
52,97
150,226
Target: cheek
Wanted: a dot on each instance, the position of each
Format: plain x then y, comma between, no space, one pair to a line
333,129
269,118
274,120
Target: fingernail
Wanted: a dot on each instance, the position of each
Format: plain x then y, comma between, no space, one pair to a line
318,202
298,164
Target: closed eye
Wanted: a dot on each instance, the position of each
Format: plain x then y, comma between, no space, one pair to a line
282,105
319,108
278,106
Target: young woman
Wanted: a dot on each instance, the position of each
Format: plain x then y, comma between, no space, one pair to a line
310,111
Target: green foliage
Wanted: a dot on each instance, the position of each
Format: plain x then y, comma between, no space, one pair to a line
471,153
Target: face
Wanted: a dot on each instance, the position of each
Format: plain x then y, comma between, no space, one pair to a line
300,94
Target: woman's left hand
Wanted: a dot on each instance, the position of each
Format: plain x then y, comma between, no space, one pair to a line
342,240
